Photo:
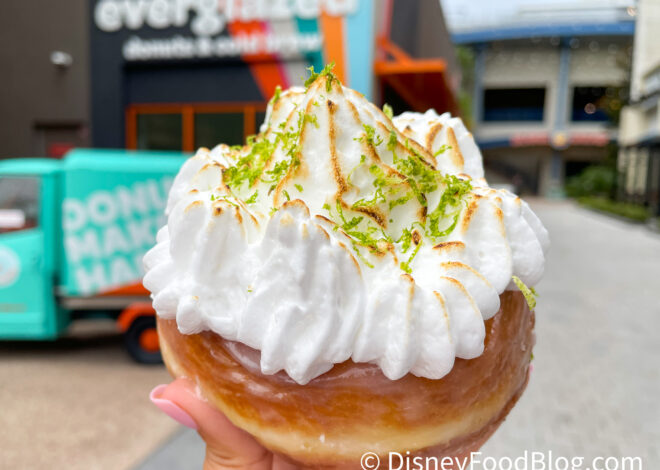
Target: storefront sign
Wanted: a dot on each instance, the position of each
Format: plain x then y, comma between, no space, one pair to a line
208,20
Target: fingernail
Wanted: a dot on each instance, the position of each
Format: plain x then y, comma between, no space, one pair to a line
170,408
531,368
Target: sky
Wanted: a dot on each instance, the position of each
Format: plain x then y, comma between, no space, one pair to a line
465,14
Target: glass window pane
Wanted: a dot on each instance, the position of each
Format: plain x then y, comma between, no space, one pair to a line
159,131
589,104
212,129
514,104
19,203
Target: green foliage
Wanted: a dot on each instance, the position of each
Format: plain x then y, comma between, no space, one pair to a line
595,180
623,209
466,59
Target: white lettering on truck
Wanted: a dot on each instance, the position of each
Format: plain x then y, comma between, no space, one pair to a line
107,233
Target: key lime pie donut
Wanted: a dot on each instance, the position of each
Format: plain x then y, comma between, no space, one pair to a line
348,282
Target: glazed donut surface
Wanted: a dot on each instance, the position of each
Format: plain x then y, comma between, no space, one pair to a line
354,408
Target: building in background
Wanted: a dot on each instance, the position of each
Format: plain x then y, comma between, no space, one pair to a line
639,137
548,77
180,74
44,79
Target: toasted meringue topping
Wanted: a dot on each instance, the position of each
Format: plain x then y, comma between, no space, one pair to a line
338,234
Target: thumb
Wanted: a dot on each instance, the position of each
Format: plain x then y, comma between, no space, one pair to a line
226,445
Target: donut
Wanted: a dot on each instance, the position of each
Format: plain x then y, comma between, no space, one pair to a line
352,409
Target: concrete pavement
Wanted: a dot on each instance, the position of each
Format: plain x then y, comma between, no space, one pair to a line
595,386
596,381
78,404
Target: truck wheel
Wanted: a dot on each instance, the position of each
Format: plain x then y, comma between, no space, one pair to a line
141,340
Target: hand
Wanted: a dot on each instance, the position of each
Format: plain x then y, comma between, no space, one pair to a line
226,445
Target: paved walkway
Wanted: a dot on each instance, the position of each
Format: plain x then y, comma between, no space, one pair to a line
595,389
78,404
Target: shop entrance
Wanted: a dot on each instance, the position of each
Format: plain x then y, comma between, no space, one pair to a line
186,127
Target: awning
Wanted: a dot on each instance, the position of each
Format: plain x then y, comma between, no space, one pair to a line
422,83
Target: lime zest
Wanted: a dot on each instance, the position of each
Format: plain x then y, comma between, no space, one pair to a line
405,266
417,174
277,95
387,110
363,158
442,149
326,72
369,136
529,293
252,199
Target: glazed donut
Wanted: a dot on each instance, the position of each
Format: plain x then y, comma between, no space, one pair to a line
352,409
347,282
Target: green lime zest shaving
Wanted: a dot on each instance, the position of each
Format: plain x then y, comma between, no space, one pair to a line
276,96
326,72
371,237
442,149
250,166
415,178
387,110
223,198
529,293
311,118
252,199
363,158
405,239
449,206
369,136
291,148
405,266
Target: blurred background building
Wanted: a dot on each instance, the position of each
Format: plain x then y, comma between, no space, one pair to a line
177,75
45,82
639,156
548,80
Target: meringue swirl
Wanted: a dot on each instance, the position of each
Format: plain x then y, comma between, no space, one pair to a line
338,233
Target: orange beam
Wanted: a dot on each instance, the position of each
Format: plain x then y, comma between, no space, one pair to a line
333,36
395,51
249,126
131,128
382,67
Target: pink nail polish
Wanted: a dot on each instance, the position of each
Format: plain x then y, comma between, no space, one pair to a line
170,408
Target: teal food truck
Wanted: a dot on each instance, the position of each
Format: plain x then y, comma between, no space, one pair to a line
72,236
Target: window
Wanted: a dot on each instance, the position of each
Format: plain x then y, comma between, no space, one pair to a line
514,104
190,126
590,104
19,203
159,132
212,129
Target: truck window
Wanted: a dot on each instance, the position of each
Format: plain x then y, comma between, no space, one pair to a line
19,203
